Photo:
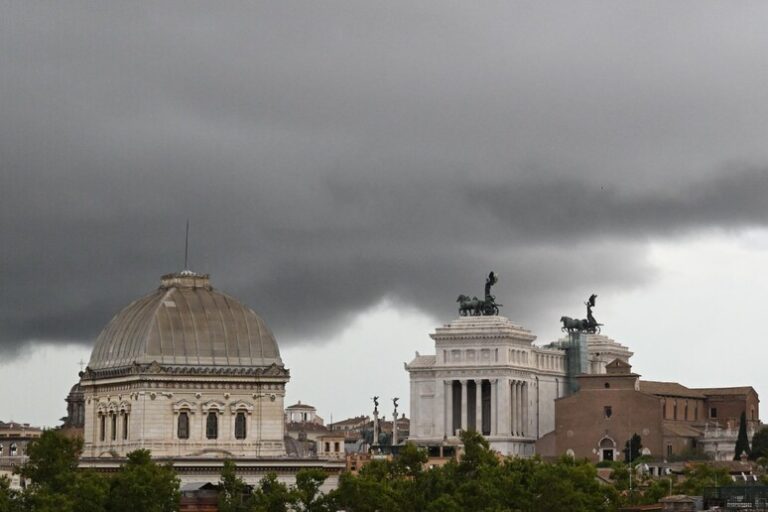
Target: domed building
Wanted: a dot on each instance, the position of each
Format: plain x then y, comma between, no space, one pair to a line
186,372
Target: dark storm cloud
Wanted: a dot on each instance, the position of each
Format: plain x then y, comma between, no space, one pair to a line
331,155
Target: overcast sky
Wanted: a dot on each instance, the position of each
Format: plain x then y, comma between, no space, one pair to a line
349,168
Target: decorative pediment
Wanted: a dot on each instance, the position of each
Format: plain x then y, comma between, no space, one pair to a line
275,371
113,407
213,405
125,407
185,405
241,405
101,408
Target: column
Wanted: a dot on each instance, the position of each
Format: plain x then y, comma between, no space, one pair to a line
518,407
513,407
479,405
448,426
524,430
464,404
494,406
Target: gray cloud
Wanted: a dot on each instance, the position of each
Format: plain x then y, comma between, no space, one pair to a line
332,155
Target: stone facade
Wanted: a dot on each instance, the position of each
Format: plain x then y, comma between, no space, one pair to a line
486,374
180,415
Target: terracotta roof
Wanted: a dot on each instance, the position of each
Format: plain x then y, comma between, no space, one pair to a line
680,429
668,389
305,427
351,421
743,390
299,406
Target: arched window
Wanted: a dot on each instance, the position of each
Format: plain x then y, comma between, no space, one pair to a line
182,427
12,451
240,425
125,425
212,425
102,427
1,450
113,418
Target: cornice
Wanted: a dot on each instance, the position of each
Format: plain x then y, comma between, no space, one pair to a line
156,369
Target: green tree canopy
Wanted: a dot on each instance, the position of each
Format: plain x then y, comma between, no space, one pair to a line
759,444
143,485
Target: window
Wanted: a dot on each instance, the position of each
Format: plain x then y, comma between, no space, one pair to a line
182,427
240,425
113,419
674,410
607,385
12,451
685,414
327,446
607,411
212,425
336,446
669,451
713,412
102,427
125,425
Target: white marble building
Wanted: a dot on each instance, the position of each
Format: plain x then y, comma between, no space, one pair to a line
487,374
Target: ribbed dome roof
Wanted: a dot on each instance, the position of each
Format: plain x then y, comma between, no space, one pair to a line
185,322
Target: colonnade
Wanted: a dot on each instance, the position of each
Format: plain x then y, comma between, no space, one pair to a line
489,406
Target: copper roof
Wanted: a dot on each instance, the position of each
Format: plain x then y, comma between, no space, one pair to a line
185,322
668,389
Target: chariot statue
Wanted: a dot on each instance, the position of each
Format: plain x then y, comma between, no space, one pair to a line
588,325
472,306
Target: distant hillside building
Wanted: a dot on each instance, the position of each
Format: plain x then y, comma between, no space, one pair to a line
14,438
306,436
486,374
672,420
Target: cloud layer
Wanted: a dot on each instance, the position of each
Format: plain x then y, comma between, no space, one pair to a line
332,155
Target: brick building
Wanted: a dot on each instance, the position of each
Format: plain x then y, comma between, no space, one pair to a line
672,420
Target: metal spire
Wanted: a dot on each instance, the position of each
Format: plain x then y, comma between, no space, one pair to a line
186,248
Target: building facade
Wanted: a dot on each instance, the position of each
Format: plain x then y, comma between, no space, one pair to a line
672,420
14,438
488,375
192,375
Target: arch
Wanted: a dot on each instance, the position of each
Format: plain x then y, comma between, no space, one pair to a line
606,449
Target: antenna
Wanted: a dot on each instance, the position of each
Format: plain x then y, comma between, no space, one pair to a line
186,247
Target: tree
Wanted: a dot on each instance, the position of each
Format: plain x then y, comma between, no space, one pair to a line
233,493
742,441
477,453
52,461
410,460
759,444
700,476
306,493
8,502
632,448
271,495
144,485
